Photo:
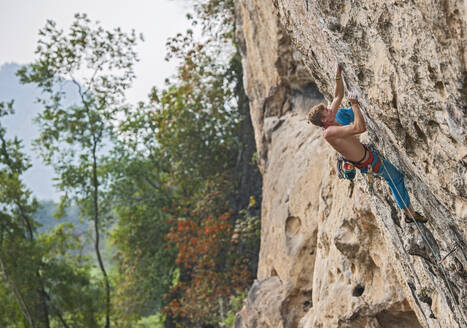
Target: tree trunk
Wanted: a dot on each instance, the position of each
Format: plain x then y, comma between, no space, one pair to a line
43,310
96,230
19,298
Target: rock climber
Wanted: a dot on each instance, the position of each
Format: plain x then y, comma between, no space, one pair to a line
340,129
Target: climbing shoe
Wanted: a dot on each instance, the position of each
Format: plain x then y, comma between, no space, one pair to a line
418,217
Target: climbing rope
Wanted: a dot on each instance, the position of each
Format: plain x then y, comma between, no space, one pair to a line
438,262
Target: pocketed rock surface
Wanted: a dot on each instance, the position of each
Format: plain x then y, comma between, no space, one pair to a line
336,257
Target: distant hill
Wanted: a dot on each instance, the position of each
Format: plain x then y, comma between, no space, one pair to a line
81,228
45,215
38,178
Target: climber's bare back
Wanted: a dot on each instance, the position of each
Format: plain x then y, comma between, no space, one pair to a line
349,146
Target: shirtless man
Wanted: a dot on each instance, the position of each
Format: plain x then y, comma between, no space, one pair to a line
340,129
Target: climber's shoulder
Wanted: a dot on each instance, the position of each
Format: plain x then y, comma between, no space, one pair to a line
328,132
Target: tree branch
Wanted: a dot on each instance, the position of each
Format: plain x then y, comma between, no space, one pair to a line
17,293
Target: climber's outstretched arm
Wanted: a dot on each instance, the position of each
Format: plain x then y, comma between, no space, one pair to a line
334,132
357,127
359,121
339,90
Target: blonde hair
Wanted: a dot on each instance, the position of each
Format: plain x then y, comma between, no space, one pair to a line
316,114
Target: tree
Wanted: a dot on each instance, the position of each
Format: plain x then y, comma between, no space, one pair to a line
43,281
145,267
75,137
205,133
19,259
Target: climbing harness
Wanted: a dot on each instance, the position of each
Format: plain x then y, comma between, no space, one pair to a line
345,169
349,171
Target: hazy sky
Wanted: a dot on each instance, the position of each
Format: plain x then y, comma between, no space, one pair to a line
20,21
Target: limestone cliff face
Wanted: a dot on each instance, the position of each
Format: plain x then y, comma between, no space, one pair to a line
331,257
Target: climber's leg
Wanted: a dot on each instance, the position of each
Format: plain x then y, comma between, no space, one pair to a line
410,215
409,210
395,180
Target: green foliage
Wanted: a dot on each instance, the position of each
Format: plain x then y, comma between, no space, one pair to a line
235,305
145,267
100,65
197,129
195,116
10,312
153,321
19,258
44,280
68,277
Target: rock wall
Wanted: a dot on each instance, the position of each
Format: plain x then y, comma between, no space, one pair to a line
333,256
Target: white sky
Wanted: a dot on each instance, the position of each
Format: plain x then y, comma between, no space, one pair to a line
20,21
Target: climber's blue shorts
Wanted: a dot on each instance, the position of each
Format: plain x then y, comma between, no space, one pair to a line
395,180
